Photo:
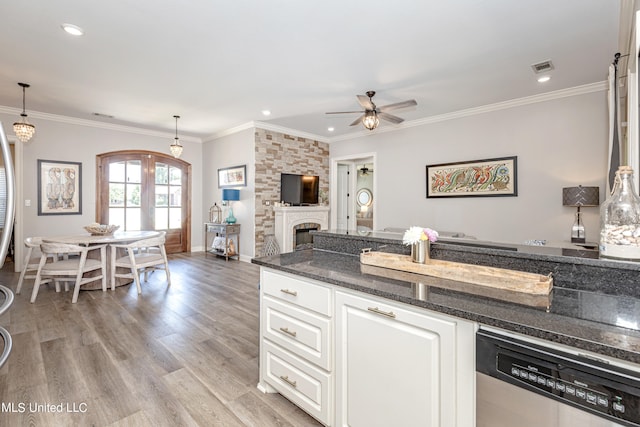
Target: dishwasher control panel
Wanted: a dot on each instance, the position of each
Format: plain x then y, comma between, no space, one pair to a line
604,390
582,390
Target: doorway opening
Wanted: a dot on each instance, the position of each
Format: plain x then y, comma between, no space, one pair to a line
353,190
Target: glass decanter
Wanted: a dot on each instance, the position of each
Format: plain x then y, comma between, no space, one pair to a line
620,219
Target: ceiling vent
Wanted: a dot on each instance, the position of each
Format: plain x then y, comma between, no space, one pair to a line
542,67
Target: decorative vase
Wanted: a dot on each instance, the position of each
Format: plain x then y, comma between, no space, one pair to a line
420,251
620,219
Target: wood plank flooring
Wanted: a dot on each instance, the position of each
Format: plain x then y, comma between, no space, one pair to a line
184,355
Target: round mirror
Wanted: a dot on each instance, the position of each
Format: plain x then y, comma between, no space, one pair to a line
364,197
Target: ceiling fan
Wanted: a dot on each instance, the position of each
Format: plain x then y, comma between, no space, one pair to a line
372,114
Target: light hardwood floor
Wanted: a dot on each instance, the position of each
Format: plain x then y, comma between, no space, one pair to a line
184,355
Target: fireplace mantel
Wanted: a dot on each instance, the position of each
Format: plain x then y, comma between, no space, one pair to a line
288,217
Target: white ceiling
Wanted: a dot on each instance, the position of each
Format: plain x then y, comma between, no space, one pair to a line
218,64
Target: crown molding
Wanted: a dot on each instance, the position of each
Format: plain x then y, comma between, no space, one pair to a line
96,124
544,97
267,126
518,102
289,131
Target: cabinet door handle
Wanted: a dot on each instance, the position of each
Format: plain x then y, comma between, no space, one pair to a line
286,379
290,292
384,313
288,332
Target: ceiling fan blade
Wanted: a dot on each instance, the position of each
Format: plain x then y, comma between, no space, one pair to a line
344,112
390,118
357,121
365,102
403,104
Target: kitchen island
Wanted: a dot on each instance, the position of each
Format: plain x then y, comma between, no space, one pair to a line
594,307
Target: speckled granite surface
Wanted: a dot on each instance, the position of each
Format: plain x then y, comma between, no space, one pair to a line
574,314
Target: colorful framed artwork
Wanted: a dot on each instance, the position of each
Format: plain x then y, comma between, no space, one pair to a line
59,187
235,176
476,178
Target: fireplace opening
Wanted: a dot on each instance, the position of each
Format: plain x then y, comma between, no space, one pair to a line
302,237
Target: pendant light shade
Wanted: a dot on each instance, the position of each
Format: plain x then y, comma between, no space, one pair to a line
176,148
23,129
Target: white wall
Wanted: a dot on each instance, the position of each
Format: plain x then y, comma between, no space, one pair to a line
233,150
57,140
559,143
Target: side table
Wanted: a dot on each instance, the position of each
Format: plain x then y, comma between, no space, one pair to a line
222,239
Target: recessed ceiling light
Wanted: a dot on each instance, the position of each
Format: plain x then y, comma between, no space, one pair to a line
74,30
266,112
331,129
543,79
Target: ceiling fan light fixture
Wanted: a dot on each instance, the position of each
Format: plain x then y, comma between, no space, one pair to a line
370,120
176,148
23,129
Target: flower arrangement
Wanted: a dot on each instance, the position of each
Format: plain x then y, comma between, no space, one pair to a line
415,234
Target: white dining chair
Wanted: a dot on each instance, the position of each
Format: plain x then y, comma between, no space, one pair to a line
31,262
72,269
145,256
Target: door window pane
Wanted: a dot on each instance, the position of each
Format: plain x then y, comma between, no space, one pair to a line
175,218
116,172
162,173
162,195
133,195
116,217
175,198
162,218
133,218
175,176
134,171
116,194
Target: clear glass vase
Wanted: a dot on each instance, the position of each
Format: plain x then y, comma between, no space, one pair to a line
620,219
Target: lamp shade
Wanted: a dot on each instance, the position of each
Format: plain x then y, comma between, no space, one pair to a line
581,196
229,194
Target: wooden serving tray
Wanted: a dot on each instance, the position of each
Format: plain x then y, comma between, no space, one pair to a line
491,277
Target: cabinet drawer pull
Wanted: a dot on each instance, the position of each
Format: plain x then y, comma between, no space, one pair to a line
290,292
288,332
384,313
286,379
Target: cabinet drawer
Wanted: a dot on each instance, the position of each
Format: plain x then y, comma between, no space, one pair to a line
299,381
300,331
215,228
302,293
233,229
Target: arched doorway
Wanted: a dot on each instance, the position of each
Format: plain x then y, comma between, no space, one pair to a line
145,190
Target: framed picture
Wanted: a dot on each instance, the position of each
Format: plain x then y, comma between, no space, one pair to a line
59,188
235,176
476,178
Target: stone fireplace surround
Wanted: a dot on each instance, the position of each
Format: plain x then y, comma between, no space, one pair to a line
288,217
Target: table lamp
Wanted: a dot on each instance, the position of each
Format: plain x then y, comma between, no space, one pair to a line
230,195
577,197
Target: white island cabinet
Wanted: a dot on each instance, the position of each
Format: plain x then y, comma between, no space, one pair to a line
352,359
296,342
397,365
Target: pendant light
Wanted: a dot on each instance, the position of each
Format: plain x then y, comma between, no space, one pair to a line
23,129
176,148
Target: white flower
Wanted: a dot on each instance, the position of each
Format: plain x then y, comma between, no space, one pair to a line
412,235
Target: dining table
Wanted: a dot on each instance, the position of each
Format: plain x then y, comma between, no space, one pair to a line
86,239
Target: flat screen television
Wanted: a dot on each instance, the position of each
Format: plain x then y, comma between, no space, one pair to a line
298,190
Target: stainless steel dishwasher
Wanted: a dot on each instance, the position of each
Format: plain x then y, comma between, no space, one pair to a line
527,383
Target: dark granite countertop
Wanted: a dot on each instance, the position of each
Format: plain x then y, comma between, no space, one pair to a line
604,323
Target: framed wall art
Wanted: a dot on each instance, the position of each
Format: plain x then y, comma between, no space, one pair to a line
59,188
235,176
475,178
